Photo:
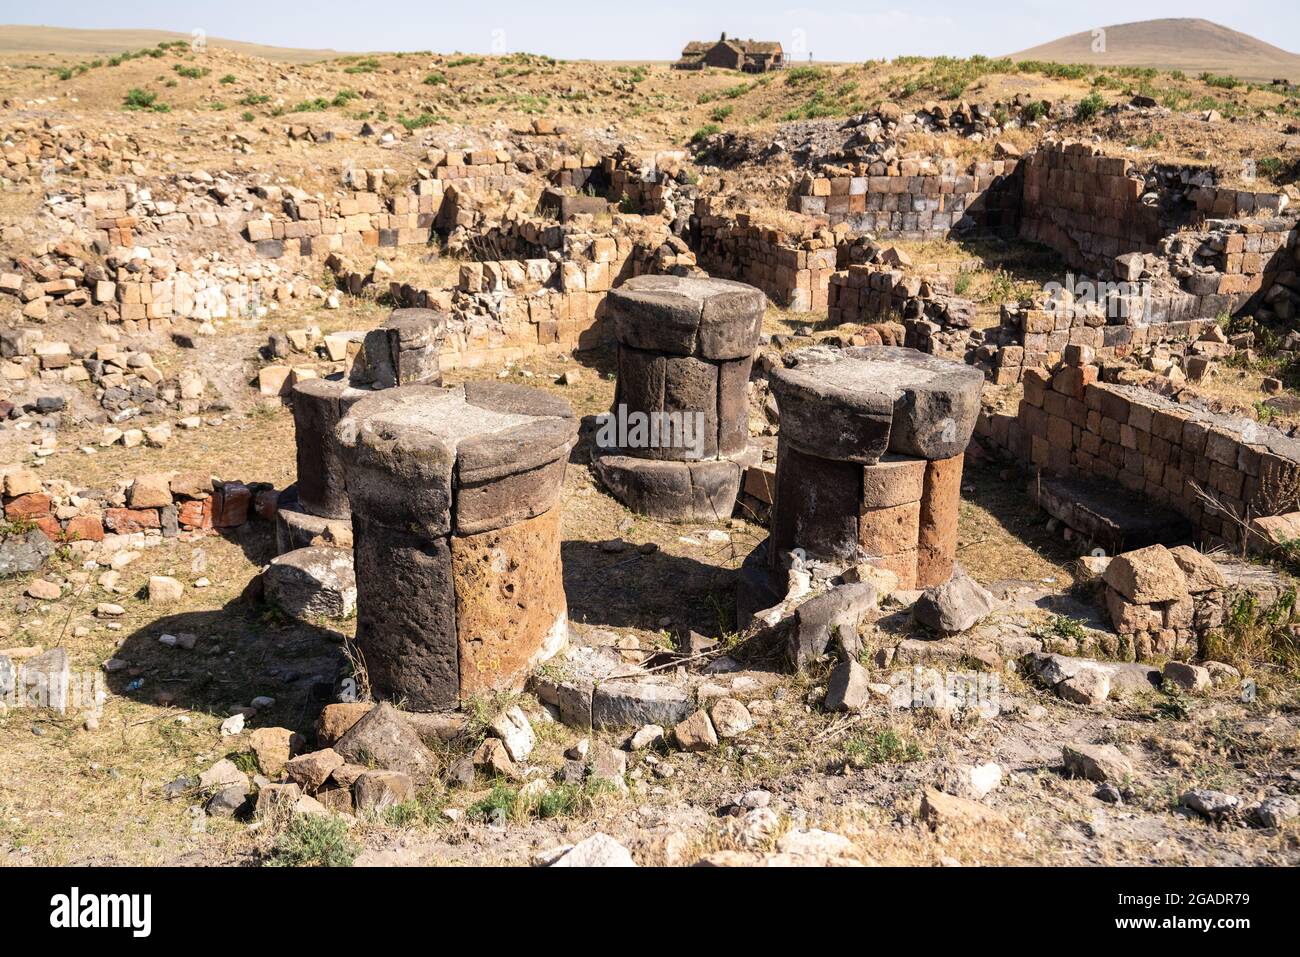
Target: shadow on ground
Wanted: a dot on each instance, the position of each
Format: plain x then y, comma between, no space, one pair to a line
628,589
242,651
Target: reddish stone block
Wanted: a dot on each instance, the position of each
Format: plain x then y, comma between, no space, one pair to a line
127,520
50,526
230,504
195,514
30,506
265,503
84,528
937,538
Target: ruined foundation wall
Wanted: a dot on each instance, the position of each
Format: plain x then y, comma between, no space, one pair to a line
1069,424
915,199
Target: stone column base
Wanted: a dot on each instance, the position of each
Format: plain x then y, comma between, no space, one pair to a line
296,529
702,491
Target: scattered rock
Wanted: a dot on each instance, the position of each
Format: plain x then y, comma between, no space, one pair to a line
273,747
228,801
376,791
310,771
512,727
954,606
382,739
1088,686
848,688
1276,811
599,850
731,719
939,809
1097,762
222,774
1188,677
1215,805
696,733
164,590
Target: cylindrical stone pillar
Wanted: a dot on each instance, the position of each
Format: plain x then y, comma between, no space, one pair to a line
314,510
674,443
869,458
456,526
318,407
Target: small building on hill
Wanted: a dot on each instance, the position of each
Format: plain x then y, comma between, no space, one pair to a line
750,56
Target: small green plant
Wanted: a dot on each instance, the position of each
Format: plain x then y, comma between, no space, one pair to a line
705,131
255,99
961,283
721,113
248,116
1061,628
436,78
1173,704
139,100
422,121
1089,107
1222,82
191,72
886,746
365,65
228,79
1034,111
311,840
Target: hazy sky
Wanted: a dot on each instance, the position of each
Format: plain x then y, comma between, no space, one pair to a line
829,29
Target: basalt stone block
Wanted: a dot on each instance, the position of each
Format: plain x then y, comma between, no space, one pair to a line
406,615
640,385
687,315
403,351
313,582
856,404
703,491
296,528
409,453
818,503
806,634
940,506
691,388
510,606
894,480
318,406
733,405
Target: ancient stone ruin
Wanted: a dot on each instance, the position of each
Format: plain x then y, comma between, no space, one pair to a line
454,496
678,435
869,460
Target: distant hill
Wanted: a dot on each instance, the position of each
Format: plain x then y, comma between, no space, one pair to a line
1193,46
63,40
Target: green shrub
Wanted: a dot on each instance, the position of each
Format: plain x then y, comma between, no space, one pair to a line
705,131
311,840
1089,107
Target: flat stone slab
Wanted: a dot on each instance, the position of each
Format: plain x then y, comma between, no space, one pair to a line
688,315
296,528
475,457
854,405
703,491
1109,515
